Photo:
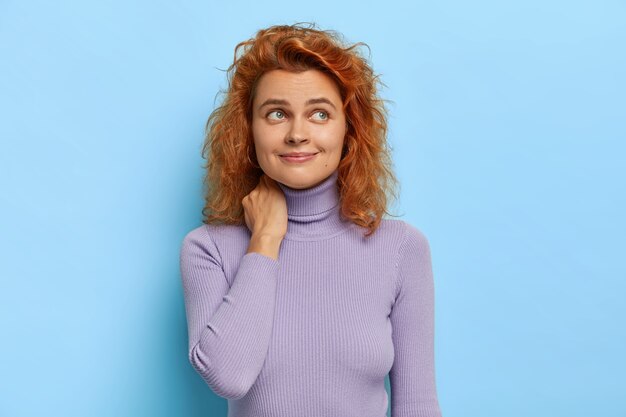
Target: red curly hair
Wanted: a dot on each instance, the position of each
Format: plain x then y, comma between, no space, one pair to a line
365,175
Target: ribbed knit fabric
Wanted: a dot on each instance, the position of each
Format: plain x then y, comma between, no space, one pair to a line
315,332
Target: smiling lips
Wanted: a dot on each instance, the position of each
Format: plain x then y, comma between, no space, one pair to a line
298,156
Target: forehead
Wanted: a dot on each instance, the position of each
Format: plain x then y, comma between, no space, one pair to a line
296,86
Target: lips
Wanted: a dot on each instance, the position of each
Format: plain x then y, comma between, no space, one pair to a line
298,157
298,154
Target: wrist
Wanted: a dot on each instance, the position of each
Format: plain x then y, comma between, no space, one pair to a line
268,245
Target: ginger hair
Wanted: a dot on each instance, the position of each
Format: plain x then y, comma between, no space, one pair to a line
365,177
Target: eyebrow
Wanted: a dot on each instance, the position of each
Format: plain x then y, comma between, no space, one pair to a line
286,103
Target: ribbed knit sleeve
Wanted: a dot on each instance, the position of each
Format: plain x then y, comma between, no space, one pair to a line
412,376
229,327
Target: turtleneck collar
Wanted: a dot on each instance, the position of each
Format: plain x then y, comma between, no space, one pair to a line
314,213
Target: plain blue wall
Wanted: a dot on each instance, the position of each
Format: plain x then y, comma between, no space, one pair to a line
508,128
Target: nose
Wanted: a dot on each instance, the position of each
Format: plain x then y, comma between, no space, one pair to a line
295,140
297,133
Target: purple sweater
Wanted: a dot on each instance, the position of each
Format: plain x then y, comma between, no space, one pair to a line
315,332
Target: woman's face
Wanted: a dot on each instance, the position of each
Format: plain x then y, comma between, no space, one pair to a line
298,112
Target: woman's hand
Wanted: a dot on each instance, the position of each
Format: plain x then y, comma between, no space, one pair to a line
265,212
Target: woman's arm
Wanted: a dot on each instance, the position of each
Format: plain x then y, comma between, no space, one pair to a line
229,327
412,376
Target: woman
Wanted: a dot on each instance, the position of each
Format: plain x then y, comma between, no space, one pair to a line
300,298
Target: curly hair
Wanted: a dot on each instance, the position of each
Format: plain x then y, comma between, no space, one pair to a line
365,177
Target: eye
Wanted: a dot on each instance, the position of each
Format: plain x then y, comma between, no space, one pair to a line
279,115
323,115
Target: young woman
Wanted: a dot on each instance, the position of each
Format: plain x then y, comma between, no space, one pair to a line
300,297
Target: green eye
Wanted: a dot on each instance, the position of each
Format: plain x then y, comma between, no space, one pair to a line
323,114
278,112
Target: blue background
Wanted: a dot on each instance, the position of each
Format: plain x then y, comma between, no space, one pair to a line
508,128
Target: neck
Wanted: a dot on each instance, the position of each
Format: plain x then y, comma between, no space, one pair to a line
314,213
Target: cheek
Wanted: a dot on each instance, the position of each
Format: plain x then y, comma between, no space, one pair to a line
333,138
259,135
268,137
265,143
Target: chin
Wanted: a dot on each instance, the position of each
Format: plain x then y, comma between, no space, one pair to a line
299,186
296,185
299,179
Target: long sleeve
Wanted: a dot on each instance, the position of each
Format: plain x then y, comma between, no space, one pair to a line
412,376
229,327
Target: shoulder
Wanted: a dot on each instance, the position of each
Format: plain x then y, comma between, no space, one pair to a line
211,234
196,242
408,236
210,240
412,244
198,249
413,259
195,234
415,237
198,236
200,240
